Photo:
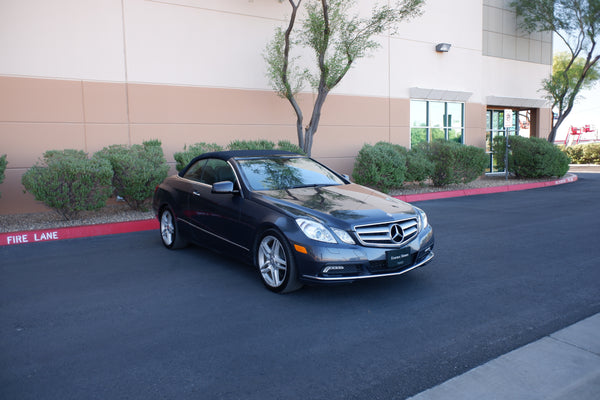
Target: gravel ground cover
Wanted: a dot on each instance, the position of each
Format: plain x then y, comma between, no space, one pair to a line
51,219
122,213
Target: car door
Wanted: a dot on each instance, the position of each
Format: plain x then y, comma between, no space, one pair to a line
217,215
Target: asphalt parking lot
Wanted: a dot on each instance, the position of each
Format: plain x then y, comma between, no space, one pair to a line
121,317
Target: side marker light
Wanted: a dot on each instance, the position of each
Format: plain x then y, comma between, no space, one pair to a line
300,249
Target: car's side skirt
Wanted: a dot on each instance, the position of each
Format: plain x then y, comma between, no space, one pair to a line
212,234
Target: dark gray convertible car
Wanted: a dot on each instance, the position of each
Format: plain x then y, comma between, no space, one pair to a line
296,220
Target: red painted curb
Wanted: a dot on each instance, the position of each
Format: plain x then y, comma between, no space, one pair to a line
34,236
494,189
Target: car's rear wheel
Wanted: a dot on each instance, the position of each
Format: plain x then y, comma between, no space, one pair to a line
169,231
276,264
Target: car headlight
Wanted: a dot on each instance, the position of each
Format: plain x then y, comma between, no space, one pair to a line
423,222
315,230
343,235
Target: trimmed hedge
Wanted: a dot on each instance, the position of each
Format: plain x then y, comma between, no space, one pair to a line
454,162
286,145
3,163
137,171
184,157
386,166
251,145
531,157
583,153
68,182
382,166
418,166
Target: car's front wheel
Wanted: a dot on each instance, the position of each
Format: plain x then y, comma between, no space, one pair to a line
169,231
276,264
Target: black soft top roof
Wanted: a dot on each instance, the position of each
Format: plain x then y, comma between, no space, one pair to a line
226,155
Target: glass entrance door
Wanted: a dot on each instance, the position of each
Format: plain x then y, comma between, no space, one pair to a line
494,128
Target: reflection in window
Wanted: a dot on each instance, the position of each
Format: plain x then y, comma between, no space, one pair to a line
436,120
209,171
286,173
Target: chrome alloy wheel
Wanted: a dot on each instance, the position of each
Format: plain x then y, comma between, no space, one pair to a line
272,261
167,228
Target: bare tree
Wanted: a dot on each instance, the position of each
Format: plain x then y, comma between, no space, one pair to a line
338,39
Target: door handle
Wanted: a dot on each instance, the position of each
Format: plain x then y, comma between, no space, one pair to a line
196,193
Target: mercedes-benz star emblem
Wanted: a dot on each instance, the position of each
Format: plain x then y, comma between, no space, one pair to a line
396,233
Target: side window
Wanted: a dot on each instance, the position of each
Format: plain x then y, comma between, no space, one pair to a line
218,171
194,173
210,171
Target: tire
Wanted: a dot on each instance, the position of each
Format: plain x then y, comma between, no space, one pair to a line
276,264
169,231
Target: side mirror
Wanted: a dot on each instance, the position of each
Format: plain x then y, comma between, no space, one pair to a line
222,187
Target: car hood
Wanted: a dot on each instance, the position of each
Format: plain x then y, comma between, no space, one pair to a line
353,204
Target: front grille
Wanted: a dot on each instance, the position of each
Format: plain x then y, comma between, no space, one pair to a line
395,233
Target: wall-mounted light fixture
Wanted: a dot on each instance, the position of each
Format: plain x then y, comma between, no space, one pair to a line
443,47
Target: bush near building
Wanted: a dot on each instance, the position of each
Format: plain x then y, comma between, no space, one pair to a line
583,153
386,166
68,182
454,162
3,163
382,166
137,171
531,157
184,157
419,167
251,145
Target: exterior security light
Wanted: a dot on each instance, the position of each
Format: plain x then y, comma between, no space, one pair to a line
443,47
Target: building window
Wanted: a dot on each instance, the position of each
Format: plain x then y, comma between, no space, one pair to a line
436,120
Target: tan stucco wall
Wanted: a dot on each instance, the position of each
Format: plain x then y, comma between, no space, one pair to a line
44,114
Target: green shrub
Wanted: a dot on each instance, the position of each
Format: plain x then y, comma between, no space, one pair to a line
3,163
382,166
454,162
184,157
68,182
591,153
137,171
471,163
288,146
531,157
251,145
575,153
583,153
443,156
418,166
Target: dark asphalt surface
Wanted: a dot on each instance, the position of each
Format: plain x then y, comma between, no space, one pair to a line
120,317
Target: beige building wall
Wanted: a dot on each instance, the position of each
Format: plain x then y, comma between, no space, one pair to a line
86,74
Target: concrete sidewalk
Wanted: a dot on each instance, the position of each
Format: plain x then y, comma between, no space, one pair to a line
562,366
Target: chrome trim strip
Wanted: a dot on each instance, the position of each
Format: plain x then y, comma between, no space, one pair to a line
354,278
212,234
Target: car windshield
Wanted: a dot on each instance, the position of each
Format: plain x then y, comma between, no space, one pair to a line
279,173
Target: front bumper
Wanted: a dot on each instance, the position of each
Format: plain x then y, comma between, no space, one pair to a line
326,263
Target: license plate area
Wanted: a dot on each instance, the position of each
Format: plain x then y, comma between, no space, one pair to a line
398,258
